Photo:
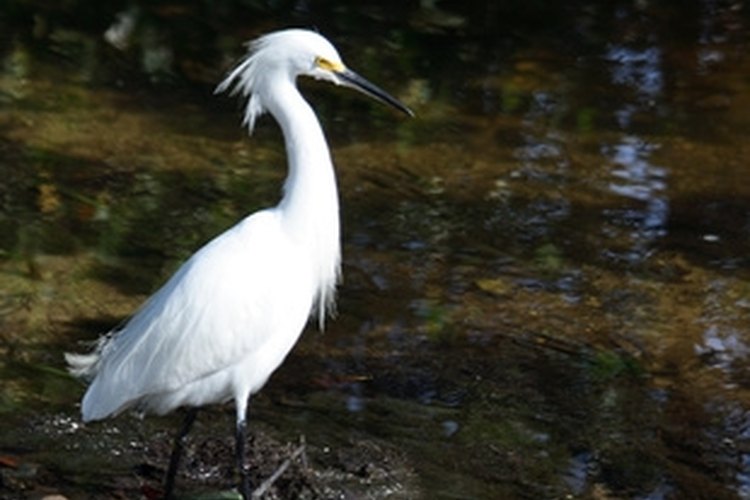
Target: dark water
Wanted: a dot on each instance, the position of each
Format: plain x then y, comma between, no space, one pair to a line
547,286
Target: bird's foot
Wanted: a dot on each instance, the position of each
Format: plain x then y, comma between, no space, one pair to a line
245,487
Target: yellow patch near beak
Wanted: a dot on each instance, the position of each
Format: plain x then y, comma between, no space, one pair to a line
325,64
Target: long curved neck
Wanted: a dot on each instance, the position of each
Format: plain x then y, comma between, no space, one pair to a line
310,187
310,205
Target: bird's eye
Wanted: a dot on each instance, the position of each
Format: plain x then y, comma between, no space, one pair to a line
328,65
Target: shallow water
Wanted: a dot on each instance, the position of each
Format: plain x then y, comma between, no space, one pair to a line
546,271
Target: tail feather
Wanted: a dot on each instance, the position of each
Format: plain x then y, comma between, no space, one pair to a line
98,404
86,367
83,366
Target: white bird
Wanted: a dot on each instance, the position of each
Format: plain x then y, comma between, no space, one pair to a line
231,313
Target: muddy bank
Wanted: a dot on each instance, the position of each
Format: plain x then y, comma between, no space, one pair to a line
128,460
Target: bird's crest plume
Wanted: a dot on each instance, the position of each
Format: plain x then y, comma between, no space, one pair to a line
243,79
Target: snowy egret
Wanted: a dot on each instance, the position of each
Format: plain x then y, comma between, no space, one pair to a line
232,312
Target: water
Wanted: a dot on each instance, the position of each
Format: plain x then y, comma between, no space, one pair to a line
546,272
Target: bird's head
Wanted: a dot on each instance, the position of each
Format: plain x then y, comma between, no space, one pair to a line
290,53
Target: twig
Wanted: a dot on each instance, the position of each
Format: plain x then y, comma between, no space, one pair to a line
305,464
265,485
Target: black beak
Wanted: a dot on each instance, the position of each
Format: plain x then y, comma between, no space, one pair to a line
352,79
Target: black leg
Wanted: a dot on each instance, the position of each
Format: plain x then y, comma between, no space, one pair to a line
179,444
241,436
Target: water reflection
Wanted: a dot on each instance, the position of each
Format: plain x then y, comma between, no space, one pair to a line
636,177
719,21
724,349
120,32
643,222
640,70
725,345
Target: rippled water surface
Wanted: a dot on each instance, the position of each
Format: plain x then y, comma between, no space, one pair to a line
547,271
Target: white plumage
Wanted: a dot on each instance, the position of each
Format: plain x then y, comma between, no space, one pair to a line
229,316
